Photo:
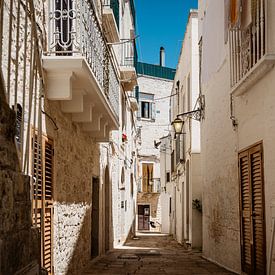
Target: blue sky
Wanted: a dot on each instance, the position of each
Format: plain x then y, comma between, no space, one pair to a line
161,23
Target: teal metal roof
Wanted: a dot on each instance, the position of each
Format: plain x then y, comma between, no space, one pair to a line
155,70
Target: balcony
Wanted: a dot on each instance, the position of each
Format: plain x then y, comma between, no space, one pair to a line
127,65
110,19
249,59
80,72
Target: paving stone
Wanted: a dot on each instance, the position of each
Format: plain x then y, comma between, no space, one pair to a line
163,256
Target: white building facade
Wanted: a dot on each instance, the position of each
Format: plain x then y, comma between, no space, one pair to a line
237,80
185,151
154,86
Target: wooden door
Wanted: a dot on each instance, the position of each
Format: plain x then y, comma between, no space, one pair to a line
143,217
253,242
43,197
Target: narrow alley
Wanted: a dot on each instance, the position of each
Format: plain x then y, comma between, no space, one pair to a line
137,137
151,253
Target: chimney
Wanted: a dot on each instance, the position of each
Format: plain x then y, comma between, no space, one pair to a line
162,57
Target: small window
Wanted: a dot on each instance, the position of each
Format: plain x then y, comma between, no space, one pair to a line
167,177
145,109
148,110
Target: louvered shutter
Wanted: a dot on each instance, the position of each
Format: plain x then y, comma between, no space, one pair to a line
245,210
259,258
48,239
252,210
153,110
42,191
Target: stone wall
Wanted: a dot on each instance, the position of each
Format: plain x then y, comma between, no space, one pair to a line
76,161
19,242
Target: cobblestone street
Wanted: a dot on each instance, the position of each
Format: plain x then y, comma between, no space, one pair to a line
153,254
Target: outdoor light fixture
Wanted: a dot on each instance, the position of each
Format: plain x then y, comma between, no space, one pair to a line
178,125
178,122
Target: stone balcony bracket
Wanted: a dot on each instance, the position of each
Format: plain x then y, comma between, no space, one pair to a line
128,77
70,80
134,104
110,25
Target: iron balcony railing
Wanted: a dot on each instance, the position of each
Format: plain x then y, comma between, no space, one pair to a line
114,5
247,44
127,53
74,31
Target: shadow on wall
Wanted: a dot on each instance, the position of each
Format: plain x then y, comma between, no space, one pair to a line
76,161
19,242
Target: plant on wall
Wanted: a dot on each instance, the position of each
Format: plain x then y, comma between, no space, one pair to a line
197,205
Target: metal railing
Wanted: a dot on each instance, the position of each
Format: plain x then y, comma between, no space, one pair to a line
114,5
75,31
247,45
127,53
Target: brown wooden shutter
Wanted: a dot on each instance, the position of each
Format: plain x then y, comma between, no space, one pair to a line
42,197
252,210
48,239
245,209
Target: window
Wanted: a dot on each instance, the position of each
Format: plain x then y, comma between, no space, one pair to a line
148,110
147,177
18,129
178,147
173,161
167,177
146,106
145,109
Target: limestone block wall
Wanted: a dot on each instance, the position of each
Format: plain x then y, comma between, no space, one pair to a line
76,161
19,242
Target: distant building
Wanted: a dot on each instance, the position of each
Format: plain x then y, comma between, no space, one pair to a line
183,186
154,88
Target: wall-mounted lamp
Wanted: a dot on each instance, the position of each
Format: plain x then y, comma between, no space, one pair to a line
178,125
178,122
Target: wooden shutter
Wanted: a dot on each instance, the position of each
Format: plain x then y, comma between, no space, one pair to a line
153,110
245,210
252,210
42,196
